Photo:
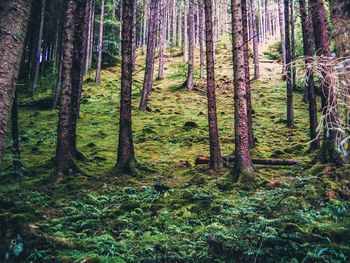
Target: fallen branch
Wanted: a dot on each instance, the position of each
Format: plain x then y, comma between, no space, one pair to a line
228,160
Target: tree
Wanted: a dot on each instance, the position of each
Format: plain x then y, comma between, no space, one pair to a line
64,161
201,14
243,162
215,153
151,46
185,45
162,35
191,37
38,52
290,110
13,28
255,41
15,135
126,155
310,85
328,152
280,22
100,43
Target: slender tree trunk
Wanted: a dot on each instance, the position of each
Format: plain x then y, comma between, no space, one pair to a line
100,43
134,44
201,12
328,153
162,33
151,46
13,28
38,48
185,46
280,22
215,153
189,81
89,38
79,54
255,41
310,86
64,160
243,162
15,135
290,111
247,72
179,26
292,38
174,23
126,156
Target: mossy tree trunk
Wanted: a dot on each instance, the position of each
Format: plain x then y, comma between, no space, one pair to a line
243,162
126,156
215,153
13,28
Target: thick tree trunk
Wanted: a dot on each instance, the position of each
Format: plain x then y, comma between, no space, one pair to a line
328,153
215,153
281,27
79,55
151,46
64,160
38,48
15,135
126,156
13,28
247,72
100,43
201,38
310,86
185,46
255,41
191,38
162,33
290,110
243,163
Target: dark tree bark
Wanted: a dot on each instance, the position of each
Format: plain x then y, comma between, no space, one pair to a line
13,28
162,33
310,86
38,50
328,152
151,46
126,156
191,38
255,41
280,21
134,40
100,43
215,153
201,12
64,160
243,162
79,54
290,110
247,72
15,135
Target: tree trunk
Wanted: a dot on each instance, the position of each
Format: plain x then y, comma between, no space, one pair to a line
126,156
179,26
201,12
185,46
162,33
310,86
255,41
134,44
328,153
79,53
247,72
280,22
290,111
243,163
151,46
100,42
15,135
89,38
38,48
292,49
64,160
215,153
13,28
189,81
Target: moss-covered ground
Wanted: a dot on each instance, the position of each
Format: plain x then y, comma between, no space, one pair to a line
176,212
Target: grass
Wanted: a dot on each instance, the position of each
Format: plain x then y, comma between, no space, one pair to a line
180,212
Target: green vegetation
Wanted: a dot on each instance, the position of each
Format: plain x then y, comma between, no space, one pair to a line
177,212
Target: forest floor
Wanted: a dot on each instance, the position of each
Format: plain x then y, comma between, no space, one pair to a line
175,212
